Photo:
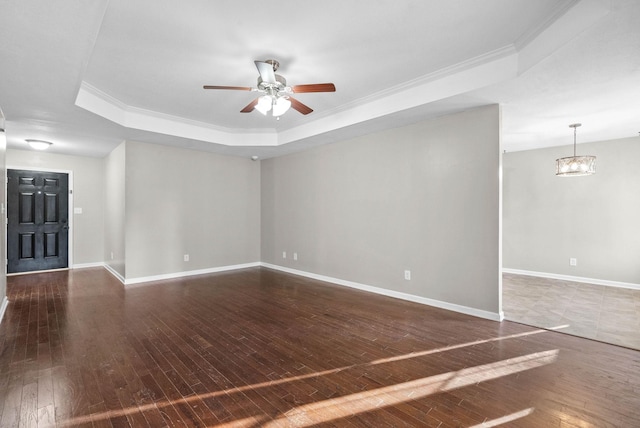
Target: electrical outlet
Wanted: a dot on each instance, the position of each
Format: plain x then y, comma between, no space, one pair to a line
186,257
284,254
295,256
573,262
407,275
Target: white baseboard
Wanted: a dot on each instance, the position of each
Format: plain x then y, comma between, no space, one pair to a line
140,280
88,265
573,278
493,316
113,272
3,308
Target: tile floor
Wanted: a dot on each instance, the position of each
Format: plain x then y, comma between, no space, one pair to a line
607,314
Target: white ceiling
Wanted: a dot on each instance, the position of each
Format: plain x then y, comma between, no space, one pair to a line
88,75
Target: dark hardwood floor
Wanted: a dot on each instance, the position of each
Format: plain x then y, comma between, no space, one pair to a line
260,348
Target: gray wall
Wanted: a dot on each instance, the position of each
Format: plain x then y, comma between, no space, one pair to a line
88,187
181,202
114,213
423,197
145,206
595,219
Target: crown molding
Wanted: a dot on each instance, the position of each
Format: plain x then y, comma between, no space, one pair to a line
559,29
490,68
99,102
483,70
533,33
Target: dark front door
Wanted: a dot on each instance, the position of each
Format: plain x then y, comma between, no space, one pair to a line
38,214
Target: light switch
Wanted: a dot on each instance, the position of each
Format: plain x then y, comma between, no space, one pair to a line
77,210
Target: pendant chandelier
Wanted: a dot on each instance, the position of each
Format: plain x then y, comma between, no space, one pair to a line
574,166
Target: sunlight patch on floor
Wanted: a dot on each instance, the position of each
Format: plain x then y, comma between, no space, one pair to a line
341,407
453,347
159,405
559,327
503,420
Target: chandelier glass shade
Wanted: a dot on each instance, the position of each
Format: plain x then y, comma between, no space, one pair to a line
575,166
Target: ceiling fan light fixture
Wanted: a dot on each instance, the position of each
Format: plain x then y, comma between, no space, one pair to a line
39,144
264,104
276,95
280,106
575,166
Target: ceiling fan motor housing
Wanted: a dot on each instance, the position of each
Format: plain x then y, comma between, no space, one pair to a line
275,64
278,85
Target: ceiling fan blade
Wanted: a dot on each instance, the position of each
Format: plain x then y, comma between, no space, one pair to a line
266,71
297,105
234,88
317,87
249,108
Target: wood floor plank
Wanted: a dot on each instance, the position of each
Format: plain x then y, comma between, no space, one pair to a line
29,406
99,416
11,409
45,389
258,347
46,416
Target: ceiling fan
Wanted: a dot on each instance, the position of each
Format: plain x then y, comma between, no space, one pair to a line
276,95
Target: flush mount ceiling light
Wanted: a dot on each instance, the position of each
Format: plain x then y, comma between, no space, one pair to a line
39,144
574,166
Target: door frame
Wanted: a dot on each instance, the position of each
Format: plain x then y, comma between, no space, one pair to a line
71,214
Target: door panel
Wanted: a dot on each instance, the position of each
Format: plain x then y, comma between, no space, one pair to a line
37,213
27,246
